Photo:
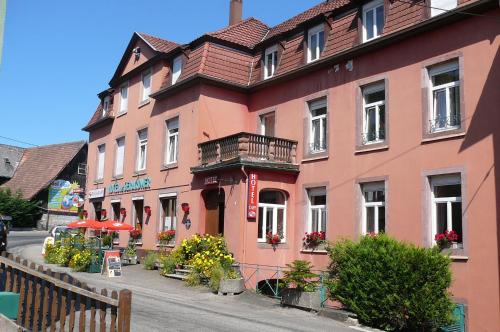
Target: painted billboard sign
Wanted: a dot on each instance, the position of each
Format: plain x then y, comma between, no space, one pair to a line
136,185
64,196
252,196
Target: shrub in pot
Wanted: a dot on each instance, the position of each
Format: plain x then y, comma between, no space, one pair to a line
130,254
391,285
225,280
301,288
150,260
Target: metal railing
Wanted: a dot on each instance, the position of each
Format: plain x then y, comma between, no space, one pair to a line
50,300
247,146
444,122
266,279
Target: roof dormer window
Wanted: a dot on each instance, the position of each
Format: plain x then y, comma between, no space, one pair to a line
105,105
315,42
176,69
270,61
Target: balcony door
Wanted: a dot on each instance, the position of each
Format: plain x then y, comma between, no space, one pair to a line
267,122
214,211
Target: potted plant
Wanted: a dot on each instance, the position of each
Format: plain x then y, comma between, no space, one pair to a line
130,254
301,286
446,240
166,237
225,280
273,239
136,235
313,240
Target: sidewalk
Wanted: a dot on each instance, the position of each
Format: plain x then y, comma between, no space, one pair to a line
160,304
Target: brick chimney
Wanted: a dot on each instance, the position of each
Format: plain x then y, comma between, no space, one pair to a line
235,11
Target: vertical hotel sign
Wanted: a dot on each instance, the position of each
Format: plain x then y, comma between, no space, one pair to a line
252,196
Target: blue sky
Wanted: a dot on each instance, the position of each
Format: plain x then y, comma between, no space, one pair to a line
59,54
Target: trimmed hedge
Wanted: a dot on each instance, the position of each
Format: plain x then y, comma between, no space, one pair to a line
390,284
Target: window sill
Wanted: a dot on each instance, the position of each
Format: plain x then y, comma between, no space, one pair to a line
371,148
159,245
264,245
167,167
101,181
311,158
144,103
138,243
121,114
444,135
117,177
314,251
139,173
459,258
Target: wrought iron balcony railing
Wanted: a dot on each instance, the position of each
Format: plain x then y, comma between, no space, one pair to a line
247,148
443,123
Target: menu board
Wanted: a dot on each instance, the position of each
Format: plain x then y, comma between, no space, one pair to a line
112,263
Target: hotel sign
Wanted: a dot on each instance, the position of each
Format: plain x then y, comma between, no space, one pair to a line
95,193
252,196
136,185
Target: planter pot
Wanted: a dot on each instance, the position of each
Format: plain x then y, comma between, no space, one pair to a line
231,286
295,298
129,260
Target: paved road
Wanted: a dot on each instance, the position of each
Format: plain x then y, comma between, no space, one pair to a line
161,304
17,240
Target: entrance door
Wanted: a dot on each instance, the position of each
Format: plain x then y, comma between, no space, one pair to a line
97,210
214,211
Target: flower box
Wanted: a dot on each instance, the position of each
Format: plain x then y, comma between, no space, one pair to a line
231,286
308,300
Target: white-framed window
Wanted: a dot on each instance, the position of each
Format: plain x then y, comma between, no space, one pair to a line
318,126
142,149
119,156
272,214
373,210
101,155
446,205
373,19
82,169
105,105
168,214
316,219
373,113
172,141
315,43
270,61
442,6
267,122
146,85
124,98
444,97
176,68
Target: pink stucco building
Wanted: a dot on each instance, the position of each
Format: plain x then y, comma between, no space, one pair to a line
352,117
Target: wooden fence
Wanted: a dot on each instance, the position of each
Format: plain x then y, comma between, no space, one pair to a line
56,302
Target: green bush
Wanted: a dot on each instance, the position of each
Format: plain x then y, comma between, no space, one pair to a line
150,260
168,264
391,285
216,274
300,277
24,213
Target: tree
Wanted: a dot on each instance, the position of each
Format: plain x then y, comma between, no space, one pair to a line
24,213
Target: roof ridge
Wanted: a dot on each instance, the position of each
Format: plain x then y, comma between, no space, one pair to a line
82,142
251,18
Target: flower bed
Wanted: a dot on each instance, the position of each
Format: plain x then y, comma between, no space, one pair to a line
74,252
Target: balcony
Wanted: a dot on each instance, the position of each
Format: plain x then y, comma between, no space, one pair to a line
246,149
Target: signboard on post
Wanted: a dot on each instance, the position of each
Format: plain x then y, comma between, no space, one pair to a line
112,263
252,196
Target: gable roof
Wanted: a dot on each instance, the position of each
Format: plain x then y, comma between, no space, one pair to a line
9,159
156,44
40,166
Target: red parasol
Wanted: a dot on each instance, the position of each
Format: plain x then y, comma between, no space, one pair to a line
85,224
116,226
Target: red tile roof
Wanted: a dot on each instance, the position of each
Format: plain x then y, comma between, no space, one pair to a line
158,44
319,9
40,166
248,32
